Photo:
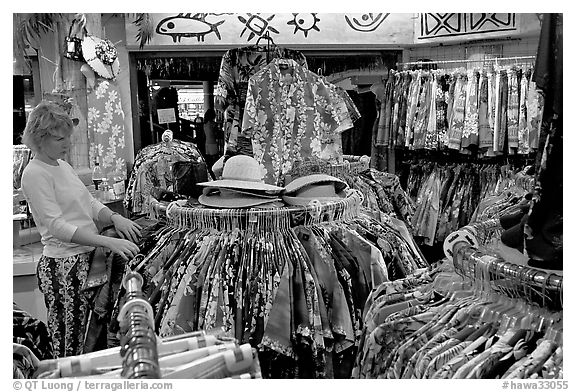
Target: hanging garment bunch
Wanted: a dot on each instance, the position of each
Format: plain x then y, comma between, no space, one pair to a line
290,282
383,194
195,355
487,319
492,111
513,192
152,168
447,195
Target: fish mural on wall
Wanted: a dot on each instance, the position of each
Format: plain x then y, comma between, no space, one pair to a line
188,26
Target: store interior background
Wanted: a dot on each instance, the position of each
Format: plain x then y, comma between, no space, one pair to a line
184,77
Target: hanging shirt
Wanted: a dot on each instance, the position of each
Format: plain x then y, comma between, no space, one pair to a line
523,140
291,114
237,66
470,131
513,110
535,108
458,113
486,132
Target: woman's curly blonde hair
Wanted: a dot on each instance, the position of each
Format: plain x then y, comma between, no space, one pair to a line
45,119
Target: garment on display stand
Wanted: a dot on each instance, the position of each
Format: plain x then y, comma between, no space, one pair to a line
237,66
152,168
493,320
291,113
493,111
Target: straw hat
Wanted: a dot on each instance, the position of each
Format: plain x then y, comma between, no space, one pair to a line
101,56
321,187
242,172
229,198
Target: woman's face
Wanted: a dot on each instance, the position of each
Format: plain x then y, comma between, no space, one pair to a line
55,145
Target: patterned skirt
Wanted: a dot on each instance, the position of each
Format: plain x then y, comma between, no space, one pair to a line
60,280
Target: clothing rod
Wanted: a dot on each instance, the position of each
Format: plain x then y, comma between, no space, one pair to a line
463,245
496,59
508,270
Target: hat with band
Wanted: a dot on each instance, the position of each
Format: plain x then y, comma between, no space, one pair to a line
101,56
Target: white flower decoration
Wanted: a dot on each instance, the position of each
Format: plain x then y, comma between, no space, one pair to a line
102,128
116,130
113,95
93,115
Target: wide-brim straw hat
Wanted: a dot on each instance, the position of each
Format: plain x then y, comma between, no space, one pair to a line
242,172
320,187
305,181
101,56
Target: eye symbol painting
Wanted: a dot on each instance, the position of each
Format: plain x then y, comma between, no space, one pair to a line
188,26
369,22
304,23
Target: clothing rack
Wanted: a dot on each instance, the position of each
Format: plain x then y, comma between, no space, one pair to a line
492,59
139,347
265,219
532,284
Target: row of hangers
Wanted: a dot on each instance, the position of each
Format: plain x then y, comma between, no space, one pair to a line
454,156
540,287
505,308
523,62
259,219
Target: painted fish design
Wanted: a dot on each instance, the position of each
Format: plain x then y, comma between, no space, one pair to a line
188,26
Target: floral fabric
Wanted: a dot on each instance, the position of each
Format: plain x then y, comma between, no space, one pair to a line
471,125
467,111
152,167
106,127
32,333
60,280
291,114
237,67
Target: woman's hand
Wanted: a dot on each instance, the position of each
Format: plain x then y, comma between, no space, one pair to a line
126,228
126,249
